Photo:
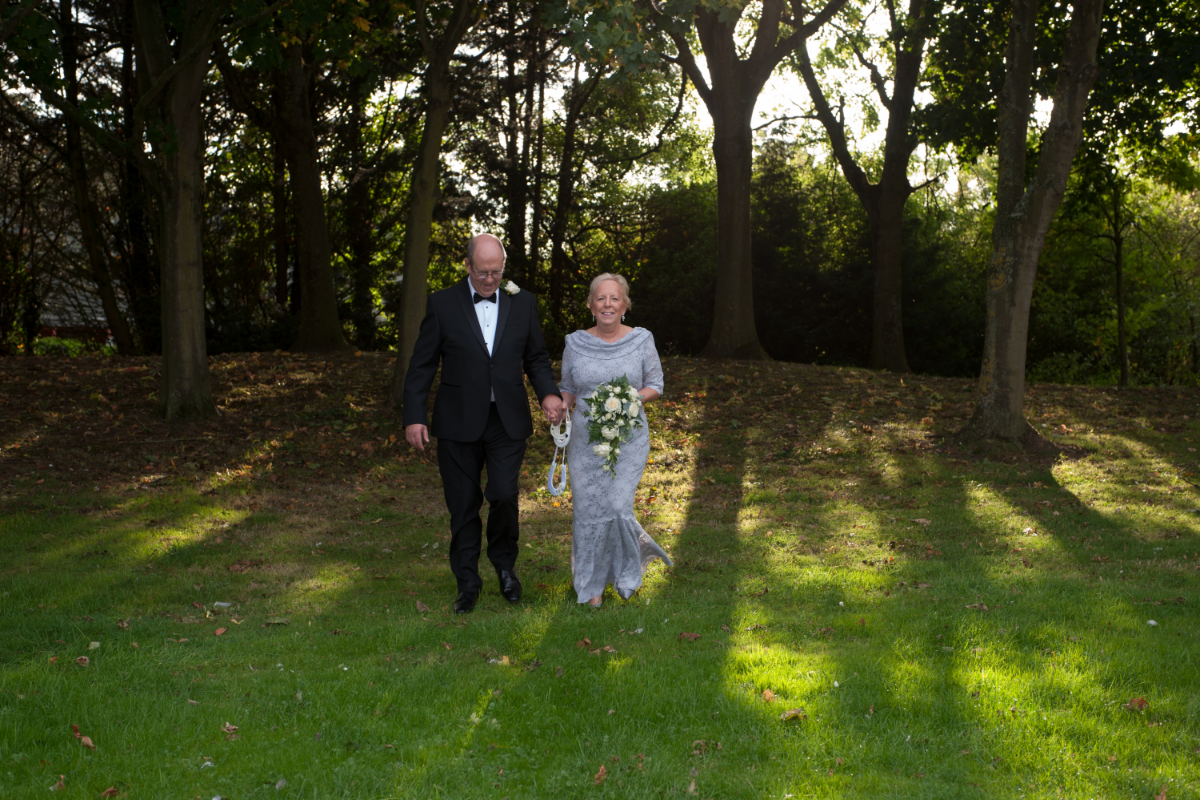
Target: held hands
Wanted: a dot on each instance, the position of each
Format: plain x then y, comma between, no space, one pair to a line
555,408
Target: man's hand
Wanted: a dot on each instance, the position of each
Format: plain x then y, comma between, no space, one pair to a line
555,410
417,435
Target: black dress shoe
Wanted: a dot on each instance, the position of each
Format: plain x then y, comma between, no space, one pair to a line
465,602
510,586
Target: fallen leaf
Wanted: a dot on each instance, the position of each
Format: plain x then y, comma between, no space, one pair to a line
109,792
86,741
229,728
601,775
219,631
196,605
692,787
1137,704
58,787
422,607
691,637
608,648
192,702
278,621
768,696
584,642
123,624
447,645
1163,794
838,761
922,521
75,730
978,606
94,646
793,713
82,661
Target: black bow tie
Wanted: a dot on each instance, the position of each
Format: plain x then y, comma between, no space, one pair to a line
481,299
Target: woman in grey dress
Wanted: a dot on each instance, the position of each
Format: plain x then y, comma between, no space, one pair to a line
608,545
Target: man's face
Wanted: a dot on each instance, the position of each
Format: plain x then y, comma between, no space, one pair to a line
486,269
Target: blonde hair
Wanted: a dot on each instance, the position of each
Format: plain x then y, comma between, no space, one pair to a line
610,276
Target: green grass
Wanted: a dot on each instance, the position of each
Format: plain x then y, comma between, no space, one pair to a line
833,544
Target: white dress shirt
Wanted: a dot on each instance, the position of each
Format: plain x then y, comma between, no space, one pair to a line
487,313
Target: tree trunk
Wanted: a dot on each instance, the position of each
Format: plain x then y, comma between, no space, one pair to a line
425,192
564,196
320,328
140,275
89,233
1122,343
735,85
885,200
279,209
1023,214
185,391
731,106
358,225
425,184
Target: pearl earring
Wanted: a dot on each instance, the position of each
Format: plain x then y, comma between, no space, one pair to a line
622,318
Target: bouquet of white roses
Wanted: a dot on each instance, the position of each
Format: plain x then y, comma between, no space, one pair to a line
614,410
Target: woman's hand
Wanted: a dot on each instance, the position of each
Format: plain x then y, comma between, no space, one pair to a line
568,401
647,394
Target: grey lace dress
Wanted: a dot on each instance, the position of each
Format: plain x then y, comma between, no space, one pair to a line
608,545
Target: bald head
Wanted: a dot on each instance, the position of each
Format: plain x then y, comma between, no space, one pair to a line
483,245
485,263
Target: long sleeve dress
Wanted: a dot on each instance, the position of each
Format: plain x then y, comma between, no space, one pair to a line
608,545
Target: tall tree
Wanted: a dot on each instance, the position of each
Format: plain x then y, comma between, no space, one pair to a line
89,216
903,51
1025,208
176,56
740,58
440,28
284,61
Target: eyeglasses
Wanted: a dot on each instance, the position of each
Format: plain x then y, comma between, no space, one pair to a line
487,276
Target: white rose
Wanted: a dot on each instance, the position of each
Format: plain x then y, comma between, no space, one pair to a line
608,433
635,409
612,404
601,450
633,395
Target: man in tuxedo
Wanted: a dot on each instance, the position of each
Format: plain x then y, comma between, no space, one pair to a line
484,339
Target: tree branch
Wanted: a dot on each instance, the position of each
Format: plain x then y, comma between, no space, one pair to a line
687,61
785,118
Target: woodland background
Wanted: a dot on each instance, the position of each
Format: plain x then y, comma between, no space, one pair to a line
337,136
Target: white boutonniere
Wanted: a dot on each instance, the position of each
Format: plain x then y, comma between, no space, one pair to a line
511,287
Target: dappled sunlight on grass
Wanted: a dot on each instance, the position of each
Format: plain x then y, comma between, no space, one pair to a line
823,531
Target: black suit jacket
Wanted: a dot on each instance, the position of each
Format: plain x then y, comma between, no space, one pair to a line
450,334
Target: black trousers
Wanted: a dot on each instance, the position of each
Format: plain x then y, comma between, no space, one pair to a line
461,465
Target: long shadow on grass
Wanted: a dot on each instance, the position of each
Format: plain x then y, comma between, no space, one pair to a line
942,688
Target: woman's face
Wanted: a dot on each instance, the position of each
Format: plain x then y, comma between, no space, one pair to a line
608,304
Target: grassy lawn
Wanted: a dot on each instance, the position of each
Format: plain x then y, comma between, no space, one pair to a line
948,622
